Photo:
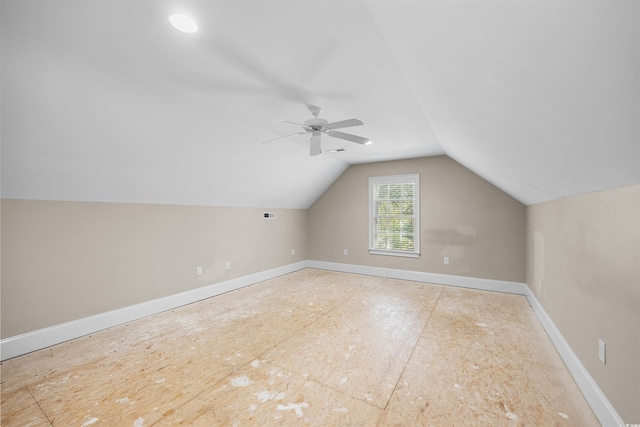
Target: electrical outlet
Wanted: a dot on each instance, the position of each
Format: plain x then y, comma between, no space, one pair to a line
227,265
446,260
293,251
346,252
199,271
602,350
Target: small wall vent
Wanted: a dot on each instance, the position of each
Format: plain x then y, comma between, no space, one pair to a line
268,215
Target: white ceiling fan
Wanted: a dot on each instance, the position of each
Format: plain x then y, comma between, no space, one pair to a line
317,126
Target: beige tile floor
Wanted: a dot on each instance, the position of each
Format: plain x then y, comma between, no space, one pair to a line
309,348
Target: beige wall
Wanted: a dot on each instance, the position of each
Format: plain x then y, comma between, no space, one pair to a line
481,228
583,265
62,261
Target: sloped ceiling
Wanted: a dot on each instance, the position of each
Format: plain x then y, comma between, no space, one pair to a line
105,101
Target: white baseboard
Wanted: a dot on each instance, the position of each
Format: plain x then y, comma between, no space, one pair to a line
42,338
602,408
419,276
36,340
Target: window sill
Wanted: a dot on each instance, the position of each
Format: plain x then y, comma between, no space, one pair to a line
394,253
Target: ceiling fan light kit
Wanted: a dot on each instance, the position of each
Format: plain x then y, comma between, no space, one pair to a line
317,126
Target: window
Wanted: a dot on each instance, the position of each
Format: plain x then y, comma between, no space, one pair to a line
394,215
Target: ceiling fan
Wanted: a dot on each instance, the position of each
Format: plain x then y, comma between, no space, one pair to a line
317,126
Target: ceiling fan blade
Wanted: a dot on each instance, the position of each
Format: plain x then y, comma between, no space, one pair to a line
348,137
315,144
293,123
283,137
343,124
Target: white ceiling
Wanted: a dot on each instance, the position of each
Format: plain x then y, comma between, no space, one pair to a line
105,101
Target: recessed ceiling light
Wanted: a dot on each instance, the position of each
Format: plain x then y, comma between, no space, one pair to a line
183,23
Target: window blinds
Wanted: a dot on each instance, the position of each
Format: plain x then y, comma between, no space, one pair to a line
394,216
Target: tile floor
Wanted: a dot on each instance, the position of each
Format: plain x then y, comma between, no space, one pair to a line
308,348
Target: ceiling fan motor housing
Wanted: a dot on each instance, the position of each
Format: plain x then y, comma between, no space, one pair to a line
316,124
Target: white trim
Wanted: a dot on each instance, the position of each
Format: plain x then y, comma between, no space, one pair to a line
419,276
42,338
36,340
394,253
600,405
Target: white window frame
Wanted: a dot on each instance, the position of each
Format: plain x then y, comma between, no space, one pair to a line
413,178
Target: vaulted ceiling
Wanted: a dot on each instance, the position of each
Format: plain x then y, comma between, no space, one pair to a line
105,101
